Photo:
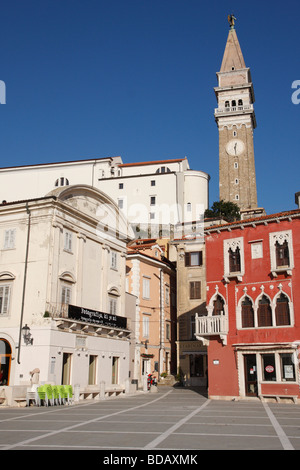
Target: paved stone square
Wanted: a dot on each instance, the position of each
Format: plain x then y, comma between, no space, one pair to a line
173,419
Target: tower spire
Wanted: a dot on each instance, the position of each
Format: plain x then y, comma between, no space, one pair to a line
233,58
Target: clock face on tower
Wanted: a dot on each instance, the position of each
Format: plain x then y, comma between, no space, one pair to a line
235,147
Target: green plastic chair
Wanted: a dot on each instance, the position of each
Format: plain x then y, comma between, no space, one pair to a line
56,396
42,397
62,393
49,394
69,391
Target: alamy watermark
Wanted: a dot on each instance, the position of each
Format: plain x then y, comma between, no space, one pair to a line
2,92
296,94
135,221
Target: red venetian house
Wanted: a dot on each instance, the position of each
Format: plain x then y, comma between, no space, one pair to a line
252,327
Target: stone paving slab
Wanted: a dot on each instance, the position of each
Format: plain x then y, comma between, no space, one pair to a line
171,420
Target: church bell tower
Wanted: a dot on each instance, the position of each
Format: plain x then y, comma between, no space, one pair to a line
236,121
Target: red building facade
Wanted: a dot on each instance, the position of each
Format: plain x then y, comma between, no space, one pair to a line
252,327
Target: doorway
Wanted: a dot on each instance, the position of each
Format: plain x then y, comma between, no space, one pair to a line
115,370
250,375
66,369
5,360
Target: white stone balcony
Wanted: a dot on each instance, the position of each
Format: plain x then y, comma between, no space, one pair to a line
235,109
211,325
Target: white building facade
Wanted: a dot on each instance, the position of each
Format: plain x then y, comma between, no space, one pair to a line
62,275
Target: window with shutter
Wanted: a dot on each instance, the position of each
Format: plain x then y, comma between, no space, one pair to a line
146,288
282,311
247,313
193,258
66,295
9,239
4,299
264,312
195,290
113,259
68,241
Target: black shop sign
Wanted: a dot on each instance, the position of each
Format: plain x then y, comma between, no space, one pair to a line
95,317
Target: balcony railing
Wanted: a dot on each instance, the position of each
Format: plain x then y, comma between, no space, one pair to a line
56,310
234,109
211,325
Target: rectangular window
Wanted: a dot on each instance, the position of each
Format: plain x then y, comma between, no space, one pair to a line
66,295
4,299
68,241
195,290
167,295
121,185
268,366
113,259
168,331
282,254
193,258
120,203
153,182
234,260
152,201
145,326
113,305
146,288
9,239
287,367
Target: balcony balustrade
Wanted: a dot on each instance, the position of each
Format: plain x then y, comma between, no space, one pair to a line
234,109
214,325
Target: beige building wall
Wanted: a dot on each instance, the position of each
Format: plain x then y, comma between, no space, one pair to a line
152,281
191,355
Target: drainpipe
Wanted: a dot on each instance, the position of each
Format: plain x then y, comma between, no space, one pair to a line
160,362
24,280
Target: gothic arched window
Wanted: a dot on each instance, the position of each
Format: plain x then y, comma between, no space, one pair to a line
218,306
247,313
264,312
282,310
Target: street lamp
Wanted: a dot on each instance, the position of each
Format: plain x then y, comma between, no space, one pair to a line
27,335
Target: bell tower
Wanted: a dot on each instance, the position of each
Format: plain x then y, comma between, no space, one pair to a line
236,122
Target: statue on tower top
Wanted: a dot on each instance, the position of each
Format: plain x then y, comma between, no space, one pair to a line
231,19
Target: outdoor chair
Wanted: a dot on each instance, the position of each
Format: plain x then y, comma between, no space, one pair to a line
56,395
62,393
69,392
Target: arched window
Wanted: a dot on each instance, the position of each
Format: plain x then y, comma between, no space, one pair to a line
240,102
5,359
233,103
226,104
264,312
163,169
218,306
282,310
247,313
62,182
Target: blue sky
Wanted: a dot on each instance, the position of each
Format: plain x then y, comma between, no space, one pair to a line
135,78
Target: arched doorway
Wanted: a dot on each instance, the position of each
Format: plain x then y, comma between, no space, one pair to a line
5,360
